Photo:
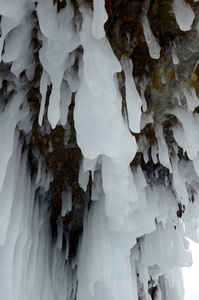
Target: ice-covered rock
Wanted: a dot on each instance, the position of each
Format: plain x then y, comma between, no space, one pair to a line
99,155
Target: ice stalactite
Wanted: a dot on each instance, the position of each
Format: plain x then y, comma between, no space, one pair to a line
184,14
57,43
27,260
30,267
113,224
153,46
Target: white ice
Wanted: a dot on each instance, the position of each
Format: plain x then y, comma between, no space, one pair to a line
99,18
133,99
132,237
153,46
183,13
54,54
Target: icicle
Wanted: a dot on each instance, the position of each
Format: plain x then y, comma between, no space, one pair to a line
183,13
43,89
189,142
119,188
174,56
133,235
179,184
191,97
132,98
163,149
153,46
8,190
59,231
65,100
154,152
9,119
98,101
99,18
12,14
54,54
83,178
66,202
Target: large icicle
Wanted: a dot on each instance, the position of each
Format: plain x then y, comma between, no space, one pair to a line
54,54
152,44
184,14
99,18
98,101
133,99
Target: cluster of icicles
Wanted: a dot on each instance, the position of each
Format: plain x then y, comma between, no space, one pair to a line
132,238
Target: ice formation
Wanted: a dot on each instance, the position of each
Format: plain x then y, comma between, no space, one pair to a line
184,14
133,241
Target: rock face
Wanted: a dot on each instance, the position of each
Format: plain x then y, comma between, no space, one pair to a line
158,80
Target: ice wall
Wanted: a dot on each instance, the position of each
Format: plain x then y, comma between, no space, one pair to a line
133,241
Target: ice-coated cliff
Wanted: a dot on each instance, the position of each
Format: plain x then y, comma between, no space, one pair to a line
99,154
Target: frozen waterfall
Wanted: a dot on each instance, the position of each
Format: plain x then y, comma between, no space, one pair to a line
59,72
